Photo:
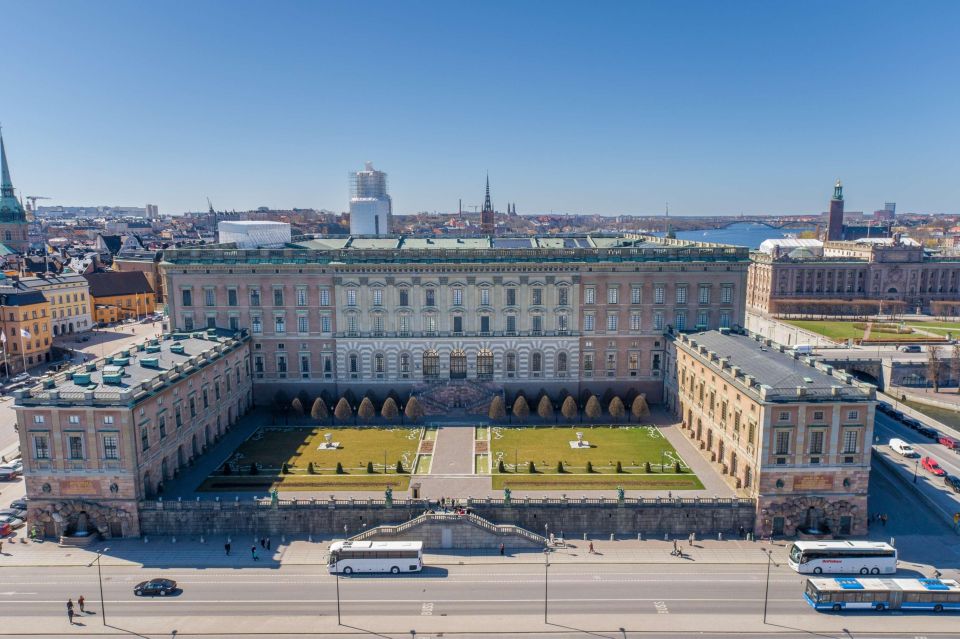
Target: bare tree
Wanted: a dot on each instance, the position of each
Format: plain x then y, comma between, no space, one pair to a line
497,412
933,367
545,408
366,411
616,408
593,409
569,409
389,410
521,409
319,412
343,412
639,408
413,410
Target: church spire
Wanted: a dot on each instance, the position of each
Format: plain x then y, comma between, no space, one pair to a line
487,206
10,208
6,184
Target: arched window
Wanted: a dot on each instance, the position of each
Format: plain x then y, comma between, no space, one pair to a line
511,364
404,364
431,364
458,364
485,364
379,365
354,364
536,364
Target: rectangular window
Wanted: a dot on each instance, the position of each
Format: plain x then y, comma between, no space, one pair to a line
457,324
562,323
430,297
703,319
193,407
724,319
351,297
816,442
634,322
186,297
536,296
325,324
537,325
177,417
404,297
378,324
659,294
278,297
588,322
303,324
612,323
849,442
511,297
563,297
818,416
378,297
352,324
301,296
613,295
256,324
458,297
588,364
484,297
279,325
108,419
282,365
257,366
234,323
304,365
255,297
144,438
681,295
635,294
162,426
783,442
231,297
726,295
783,416
209,297
74,419
658,321
324,297
589,295
853,415
404,324
431,323
633,362
703,295
484,323
41,447
38,419
111,448
75,443
511,324
680,320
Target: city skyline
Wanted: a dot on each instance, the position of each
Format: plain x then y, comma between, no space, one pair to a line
748,108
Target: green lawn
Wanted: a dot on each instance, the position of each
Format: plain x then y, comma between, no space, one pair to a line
835,330
632,446
937,328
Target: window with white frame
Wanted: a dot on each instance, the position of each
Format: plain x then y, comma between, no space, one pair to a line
379,364
613,295
589,295
209,297
301,296
680,320
75,446
378,324
681,295
278,297
703,295
659,294
816,442
303,324
658,321
783,416
783,442
588,364
352,324
326,324
853,415
256,324
484,296
562,323
111,447
404,324
724,319
351,297
430,323
279,324
74,419
254,297
324,297
378,297
511,324
563,297
612,320
458,296
38,419
703,318
282,365
404,363
635,294
108,419
536,296
850,439
41,447
588,320
726,295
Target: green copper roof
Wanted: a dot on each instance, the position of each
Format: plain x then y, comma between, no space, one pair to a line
10,208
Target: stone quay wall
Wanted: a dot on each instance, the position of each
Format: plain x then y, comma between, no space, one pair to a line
570,517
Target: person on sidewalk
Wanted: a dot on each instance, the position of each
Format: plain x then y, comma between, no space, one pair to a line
883,519
253,552
70,610
590,549
263,542
80,601
268,543
691,538
502,550
226,548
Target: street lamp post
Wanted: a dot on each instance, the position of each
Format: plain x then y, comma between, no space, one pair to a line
546,581
337,573
916,467
103,604
766,590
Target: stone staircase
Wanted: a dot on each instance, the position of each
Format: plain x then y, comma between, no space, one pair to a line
452,530
468,396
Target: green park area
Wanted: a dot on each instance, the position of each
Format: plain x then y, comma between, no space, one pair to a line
291,459
842,330
835,330
633,457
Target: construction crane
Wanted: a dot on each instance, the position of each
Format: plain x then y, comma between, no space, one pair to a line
33,200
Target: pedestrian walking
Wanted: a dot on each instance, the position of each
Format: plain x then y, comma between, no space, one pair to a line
268,543
70,610
591,548
501,550
226,548
80,601
691,538
676,548
883,519
253,552
263,542
743,533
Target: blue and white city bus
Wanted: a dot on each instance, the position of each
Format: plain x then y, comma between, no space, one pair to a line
848,593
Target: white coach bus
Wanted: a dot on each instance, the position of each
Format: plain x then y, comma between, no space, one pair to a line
844,557
349,557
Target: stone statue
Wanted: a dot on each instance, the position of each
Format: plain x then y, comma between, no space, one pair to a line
506,496
274,497
620,494
388,496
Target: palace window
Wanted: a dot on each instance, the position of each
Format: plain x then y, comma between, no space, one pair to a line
254,297
563,297
111,448
404,295
588,322
278,297
634,322
635,294
324,297
613,295
41,447
681,295
659,294
301,296
431,297
783,442
849,442
458,297
816,442
209,297
703,295
484,296
511,297
589,295
303,324
378,297
351,297
561,364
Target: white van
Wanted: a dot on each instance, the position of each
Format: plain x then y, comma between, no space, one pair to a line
902,447
803,349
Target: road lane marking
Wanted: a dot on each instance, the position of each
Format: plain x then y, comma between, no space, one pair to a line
661,607
426,610
183,600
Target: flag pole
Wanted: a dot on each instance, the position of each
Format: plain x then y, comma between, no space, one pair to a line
6,367
23,351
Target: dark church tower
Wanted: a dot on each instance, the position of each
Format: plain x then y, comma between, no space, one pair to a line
13,219
835,229
487,226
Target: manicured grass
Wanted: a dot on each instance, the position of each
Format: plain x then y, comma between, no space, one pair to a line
937,328
835,330
633,446
654,481
942,415
271,447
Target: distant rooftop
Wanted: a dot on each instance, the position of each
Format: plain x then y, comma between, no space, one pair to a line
771,373
131,375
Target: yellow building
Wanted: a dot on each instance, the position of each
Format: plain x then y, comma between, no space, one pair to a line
25,326
116,296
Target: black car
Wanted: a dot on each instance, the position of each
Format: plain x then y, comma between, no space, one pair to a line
162,587
19,504
926,431
911,422
897,414
952,482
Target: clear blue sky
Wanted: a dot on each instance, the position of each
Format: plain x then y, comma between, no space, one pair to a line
716,107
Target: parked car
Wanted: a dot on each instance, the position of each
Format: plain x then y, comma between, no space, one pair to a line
12,521
19,504
897,415
926,431
884,407
11,512
22,377
8,473
162,587
17,465
930,465
911,422
911,348
952,482
949,442
902,447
